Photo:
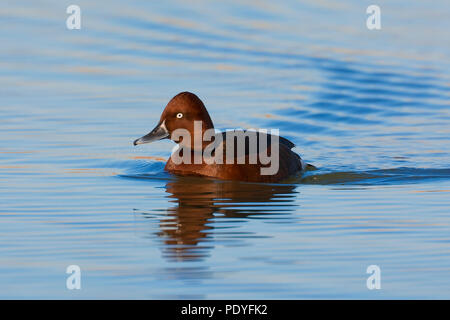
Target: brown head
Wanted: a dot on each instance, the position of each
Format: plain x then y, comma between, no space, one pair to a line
180,113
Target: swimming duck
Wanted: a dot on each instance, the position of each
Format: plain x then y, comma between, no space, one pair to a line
186,113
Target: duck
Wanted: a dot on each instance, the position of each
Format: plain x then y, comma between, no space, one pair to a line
187,114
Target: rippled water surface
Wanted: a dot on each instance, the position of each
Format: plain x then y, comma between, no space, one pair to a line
370,109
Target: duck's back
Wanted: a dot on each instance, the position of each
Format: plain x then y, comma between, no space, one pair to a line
289,163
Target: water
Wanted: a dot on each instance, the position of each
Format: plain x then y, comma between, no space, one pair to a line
370,109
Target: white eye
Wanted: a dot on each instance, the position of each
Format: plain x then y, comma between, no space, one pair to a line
179,115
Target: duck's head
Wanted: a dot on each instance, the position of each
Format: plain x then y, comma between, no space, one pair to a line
180,113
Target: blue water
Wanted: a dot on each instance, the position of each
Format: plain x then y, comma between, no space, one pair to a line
370,109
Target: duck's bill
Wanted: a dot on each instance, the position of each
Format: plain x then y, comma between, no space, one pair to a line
160,132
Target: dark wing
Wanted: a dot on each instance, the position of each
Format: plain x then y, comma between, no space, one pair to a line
260,135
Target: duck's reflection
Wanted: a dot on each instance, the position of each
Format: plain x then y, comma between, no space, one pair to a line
186,229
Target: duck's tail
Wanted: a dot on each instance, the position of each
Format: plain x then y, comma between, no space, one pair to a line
310,167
